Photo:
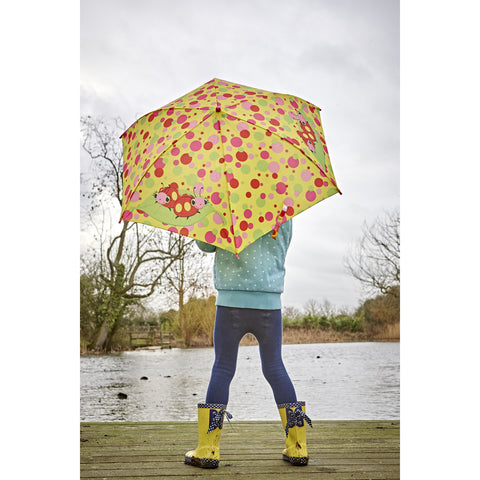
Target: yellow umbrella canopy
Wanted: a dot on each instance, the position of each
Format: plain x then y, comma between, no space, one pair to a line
225,164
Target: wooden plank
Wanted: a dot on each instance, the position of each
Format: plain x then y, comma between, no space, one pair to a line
338,450
301,473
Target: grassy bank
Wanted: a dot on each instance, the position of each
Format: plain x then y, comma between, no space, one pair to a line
301,335
295,335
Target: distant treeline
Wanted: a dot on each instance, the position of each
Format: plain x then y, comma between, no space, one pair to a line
376,318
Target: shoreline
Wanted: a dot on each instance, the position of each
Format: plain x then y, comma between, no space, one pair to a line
291,336
301,336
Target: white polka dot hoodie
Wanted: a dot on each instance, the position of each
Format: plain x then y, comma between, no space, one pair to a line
255,279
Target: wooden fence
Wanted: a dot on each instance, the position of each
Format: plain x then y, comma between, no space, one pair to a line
150,337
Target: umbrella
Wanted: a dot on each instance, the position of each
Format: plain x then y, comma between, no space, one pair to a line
225,164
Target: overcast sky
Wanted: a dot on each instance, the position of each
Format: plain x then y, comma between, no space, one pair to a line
342,55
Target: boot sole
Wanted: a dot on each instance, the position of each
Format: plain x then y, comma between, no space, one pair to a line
297,461
202,462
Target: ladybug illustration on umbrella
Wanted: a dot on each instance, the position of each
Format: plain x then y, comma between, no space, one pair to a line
183,205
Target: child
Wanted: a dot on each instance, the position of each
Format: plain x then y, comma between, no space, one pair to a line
248,301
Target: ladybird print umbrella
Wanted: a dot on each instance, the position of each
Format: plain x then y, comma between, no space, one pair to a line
225,164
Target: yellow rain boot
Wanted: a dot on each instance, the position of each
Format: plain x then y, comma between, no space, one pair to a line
293,420
210,423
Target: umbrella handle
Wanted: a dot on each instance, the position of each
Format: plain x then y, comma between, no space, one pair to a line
279,222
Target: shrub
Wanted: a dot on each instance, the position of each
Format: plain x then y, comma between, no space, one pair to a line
342,322
198,319
291,317
381,312
357,323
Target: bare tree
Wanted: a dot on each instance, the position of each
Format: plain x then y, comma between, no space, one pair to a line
132,258
187,278
312,307
375,261
316,309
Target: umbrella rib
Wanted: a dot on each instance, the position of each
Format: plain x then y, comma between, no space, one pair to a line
227,189
217,110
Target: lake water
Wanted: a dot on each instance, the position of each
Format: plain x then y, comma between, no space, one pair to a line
348,381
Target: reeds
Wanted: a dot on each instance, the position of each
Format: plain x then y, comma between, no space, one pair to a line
300,335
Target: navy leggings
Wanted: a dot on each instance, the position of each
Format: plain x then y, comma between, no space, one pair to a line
231,324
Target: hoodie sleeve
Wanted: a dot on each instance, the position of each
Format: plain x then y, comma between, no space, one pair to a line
205,247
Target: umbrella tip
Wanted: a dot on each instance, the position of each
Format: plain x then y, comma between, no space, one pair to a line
218,109
236,255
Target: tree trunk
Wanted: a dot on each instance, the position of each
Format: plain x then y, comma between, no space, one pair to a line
102,336
113,312
107,330
181,317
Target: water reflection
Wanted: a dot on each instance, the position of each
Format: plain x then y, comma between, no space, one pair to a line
337,380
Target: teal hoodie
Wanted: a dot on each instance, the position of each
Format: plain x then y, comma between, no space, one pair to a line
254,279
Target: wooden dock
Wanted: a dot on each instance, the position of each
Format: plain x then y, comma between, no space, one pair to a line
338,450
